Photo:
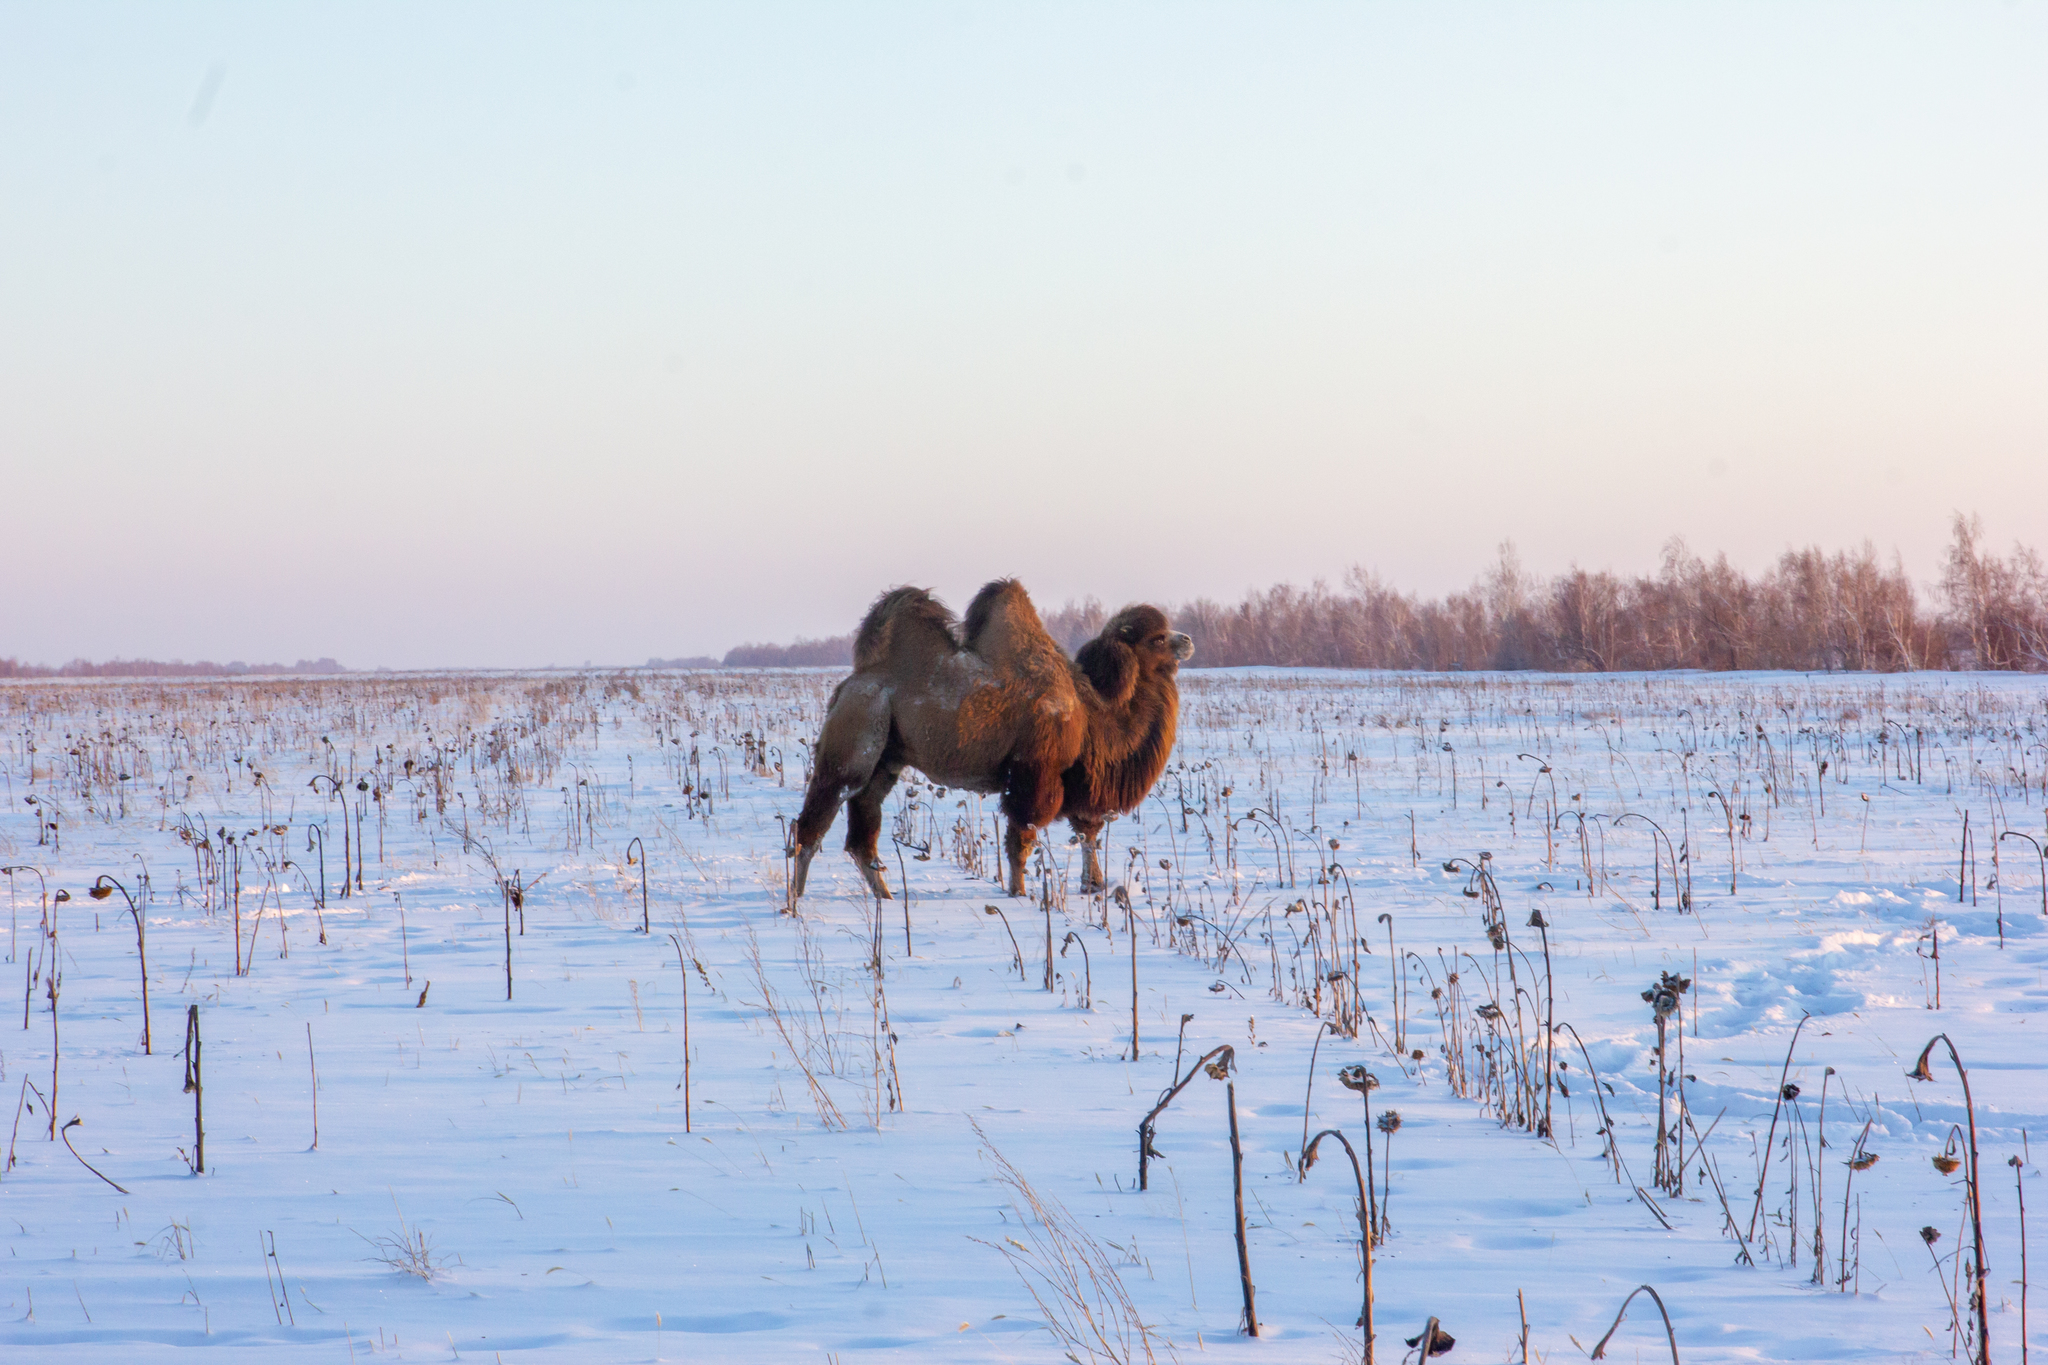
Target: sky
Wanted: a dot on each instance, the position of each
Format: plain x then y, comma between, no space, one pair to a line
506,335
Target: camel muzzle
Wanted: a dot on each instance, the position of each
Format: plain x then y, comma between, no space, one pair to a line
1183,647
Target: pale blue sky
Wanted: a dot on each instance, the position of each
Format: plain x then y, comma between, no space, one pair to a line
496,334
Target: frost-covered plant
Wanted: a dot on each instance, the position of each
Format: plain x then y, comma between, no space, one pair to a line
408,1249
1308,1159
1972,1189
1600,1349
1663,1001
1389,1123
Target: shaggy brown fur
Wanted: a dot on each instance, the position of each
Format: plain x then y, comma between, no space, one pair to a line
992,705
1133,706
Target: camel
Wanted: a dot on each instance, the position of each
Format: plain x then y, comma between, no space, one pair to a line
992,704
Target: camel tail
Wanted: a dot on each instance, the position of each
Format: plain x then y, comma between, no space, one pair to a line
902,616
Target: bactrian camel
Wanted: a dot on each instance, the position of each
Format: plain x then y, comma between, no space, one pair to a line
993,704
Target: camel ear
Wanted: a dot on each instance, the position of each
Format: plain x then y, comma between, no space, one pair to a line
1112,666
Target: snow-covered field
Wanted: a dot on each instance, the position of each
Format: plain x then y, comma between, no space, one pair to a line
829,1194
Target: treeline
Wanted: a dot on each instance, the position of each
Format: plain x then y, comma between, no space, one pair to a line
835,651
158,668
1810,611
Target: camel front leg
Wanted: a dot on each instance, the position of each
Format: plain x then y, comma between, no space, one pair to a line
1031,800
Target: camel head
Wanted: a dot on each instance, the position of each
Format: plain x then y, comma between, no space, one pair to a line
1137,641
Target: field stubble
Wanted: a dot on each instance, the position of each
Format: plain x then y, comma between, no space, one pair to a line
1605,980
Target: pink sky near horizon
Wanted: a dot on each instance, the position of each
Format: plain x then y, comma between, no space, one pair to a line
501,335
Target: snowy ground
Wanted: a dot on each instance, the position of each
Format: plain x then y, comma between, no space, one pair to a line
804,1216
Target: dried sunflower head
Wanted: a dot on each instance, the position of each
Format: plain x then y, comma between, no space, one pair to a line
1356,1077
1440,1344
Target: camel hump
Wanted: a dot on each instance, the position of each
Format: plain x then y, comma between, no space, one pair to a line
1003,627
1000,600
904,617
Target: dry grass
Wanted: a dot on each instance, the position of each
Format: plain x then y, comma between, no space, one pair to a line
1071,1277
409,1250
773,1010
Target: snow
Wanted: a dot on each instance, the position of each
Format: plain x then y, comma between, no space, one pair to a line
538,1143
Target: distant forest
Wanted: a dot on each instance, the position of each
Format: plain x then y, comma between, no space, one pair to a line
1811,611
158,668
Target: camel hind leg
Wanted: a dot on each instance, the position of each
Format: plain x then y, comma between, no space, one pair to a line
820,809
850,746
1031,800
864,822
